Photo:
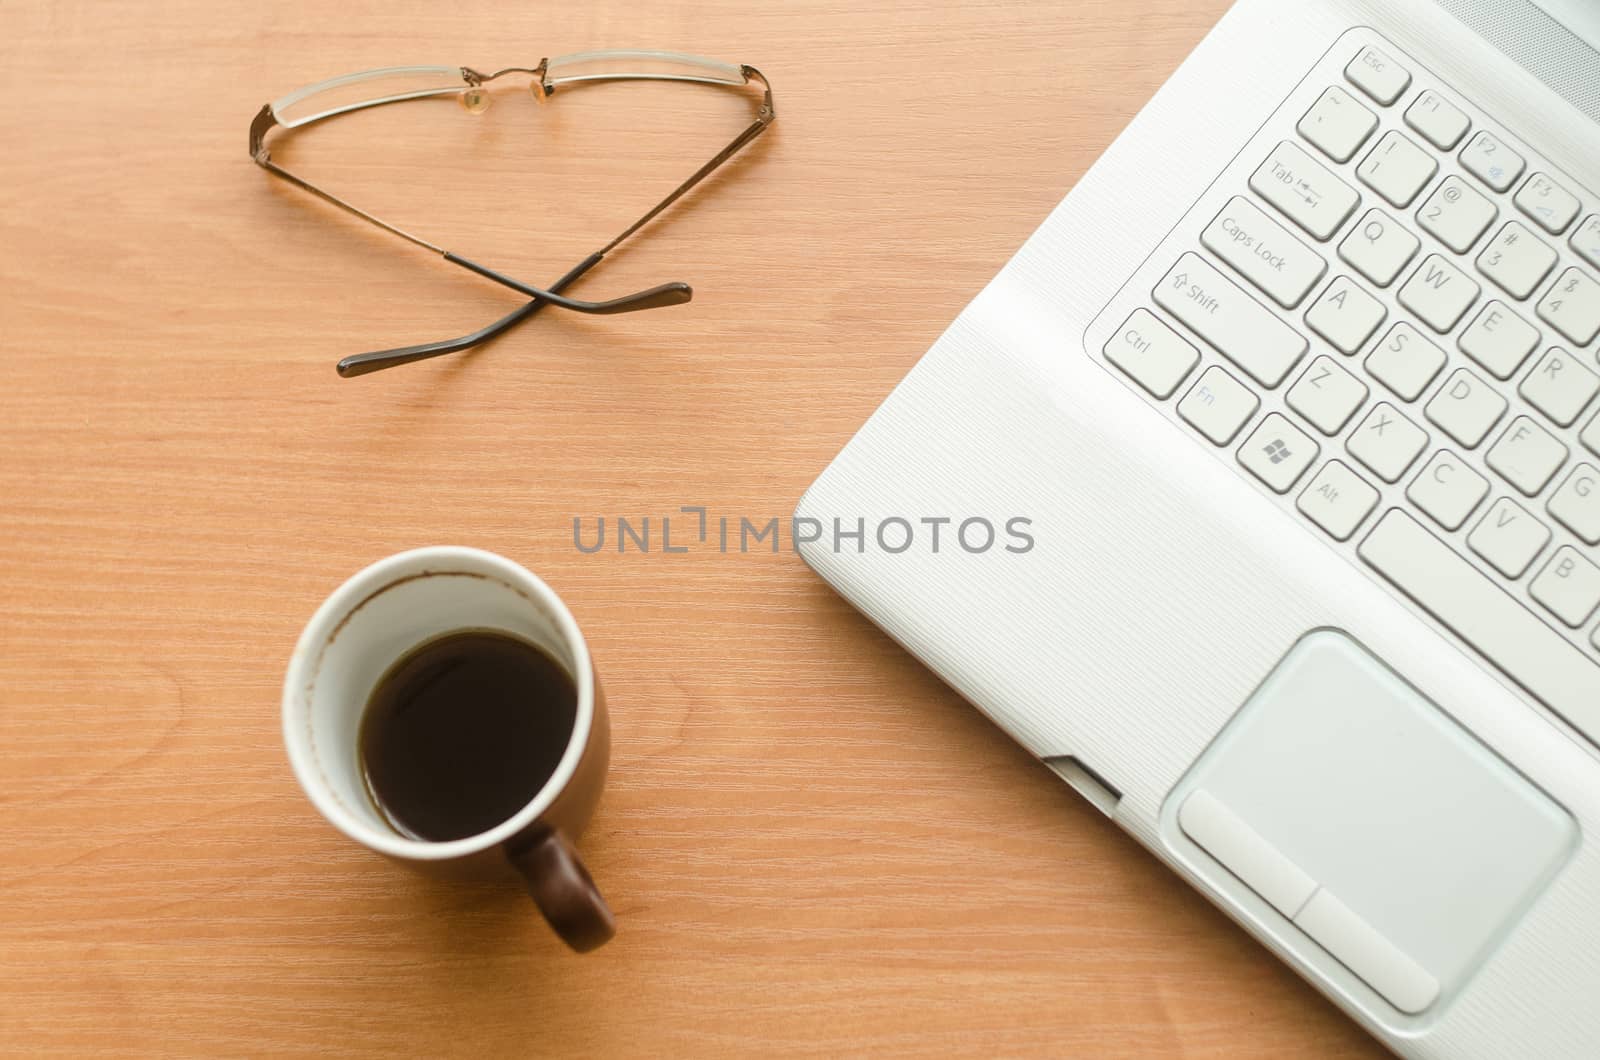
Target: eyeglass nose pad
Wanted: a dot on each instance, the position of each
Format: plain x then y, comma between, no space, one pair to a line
475,99
540,90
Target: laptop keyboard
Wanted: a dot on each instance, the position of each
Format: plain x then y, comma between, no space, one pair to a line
1386,312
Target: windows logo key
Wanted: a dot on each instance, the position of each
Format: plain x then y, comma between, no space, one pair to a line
1276,451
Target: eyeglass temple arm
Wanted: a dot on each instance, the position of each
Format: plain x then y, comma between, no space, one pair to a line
665,294
366,363
765,116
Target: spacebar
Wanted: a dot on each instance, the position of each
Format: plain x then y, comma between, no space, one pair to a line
1488,618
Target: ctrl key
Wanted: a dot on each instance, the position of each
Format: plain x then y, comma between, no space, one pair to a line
1153,354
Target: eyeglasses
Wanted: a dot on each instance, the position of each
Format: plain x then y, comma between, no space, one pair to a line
374,88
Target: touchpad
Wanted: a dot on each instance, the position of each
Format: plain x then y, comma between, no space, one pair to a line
1391,838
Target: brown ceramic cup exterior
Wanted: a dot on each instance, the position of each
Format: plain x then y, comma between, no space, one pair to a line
385,611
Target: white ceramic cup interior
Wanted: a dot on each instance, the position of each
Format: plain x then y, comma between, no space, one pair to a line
365,626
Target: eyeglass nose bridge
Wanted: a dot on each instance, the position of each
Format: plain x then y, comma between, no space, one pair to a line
477,81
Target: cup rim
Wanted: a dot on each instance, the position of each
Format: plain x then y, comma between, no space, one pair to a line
324,626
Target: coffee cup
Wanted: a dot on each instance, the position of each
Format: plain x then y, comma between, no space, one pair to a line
444,600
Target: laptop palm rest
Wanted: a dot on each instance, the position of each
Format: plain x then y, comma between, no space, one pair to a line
1397,850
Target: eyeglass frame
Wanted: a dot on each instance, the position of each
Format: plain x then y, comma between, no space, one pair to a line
542,86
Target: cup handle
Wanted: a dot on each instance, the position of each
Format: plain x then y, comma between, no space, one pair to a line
564,891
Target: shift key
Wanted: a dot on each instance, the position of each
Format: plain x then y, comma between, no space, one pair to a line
1242,329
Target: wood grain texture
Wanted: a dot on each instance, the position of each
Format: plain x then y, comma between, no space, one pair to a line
812,846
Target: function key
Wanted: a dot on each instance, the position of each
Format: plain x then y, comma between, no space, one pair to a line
1442,122
1551,206
1491,161
1337,124
1218,405
1378,75
1586,240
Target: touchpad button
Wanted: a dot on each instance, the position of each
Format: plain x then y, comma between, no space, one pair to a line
1391,837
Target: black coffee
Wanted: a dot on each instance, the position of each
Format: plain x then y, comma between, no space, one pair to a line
462,732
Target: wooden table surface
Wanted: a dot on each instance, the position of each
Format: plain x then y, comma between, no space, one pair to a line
811,845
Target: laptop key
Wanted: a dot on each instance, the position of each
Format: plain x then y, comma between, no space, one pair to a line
1463,598
1337,124
1304,189
1337,500
1527,456
1218,405
1439,293
1263,252
1278,453
1379,247
1559,386
1517,260
1509,538
1438,119
1576,504
1499,340
1573,306
1491,161
1569,586
1345,315
1378,75
1241,328
1550,205
1397,169
1447,489
1155,356
1405,361
1456,215
1386,442
1466,408
1327,395
1585,240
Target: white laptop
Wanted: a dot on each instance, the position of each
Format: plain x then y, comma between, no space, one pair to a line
1268,480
